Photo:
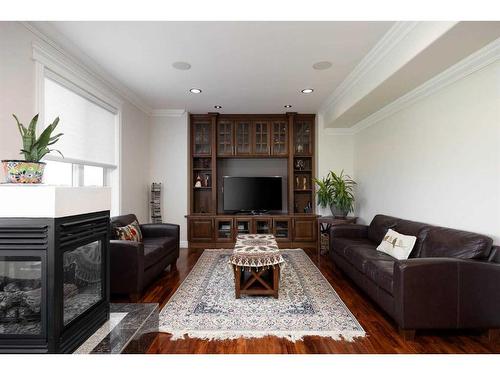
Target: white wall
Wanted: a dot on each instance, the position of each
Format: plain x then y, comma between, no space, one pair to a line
334,152
135,162
169,165
437,161
17,95
17,86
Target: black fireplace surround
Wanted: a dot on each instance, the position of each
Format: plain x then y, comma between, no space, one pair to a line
54,281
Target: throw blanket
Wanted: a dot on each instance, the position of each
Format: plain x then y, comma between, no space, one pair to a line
256,250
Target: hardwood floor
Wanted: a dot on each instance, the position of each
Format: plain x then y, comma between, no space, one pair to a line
382,335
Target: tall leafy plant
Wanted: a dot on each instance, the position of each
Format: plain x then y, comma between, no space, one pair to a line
343,186
325,191
336,191
34,149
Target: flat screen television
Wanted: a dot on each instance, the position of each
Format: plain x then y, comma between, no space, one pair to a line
252,194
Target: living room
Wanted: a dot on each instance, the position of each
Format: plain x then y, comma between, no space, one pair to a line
241,186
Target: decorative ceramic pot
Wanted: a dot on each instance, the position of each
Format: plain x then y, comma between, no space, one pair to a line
23,172
337,212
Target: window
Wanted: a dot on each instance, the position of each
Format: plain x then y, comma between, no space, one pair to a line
93,176
90,141
57,173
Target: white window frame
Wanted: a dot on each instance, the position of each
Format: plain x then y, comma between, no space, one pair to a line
54,65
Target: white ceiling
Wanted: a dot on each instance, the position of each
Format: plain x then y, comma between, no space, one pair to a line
247,67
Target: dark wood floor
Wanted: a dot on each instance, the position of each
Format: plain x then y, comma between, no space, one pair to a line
382,335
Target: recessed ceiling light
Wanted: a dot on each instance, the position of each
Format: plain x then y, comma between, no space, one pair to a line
322,65
195,91
181,65
306,91
217,106
287,106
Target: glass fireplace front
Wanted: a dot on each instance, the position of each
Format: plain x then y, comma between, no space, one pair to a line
82,279
20,295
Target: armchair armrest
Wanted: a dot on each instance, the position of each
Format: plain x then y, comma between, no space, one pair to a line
126,260
349,231
160,230
446,293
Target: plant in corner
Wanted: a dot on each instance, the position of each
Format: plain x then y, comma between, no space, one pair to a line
336,191
30,170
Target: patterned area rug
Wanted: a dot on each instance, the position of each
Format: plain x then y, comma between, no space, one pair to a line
205,307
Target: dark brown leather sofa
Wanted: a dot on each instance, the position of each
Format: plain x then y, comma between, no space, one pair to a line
134,265
451,279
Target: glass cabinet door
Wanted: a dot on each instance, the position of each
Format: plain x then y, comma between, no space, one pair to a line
202,139
225,138
243,138
263,226
224,230
261,133
280,138
303,138
281,229
243,226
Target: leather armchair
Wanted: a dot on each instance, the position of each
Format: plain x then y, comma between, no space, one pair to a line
134,265
160,230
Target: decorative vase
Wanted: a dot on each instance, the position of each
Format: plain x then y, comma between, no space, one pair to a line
23,172
337,212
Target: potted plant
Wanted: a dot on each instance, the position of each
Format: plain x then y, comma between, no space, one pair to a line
336,191
30,170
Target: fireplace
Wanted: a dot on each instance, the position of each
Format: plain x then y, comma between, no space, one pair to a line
54,290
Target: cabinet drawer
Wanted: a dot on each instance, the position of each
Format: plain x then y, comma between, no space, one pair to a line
200,230
304,230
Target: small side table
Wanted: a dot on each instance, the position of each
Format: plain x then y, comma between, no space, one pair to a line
324,225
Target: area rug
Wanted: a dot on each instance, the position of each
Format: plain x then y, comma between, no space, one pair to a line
205,307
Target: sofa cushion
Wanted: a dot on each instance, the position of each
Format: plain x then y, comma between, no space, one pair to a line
121,221
379,227
397,245
413,228
130,232
359,255
381,272
447,242
340,244
156,248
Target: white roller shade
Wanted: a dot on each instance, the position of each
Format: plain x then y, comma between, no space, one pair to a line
89,129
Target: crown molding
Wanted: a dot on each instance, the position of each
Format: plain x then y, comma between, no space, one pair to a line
474,62
167,112
339,131
58,66
389,41
93,73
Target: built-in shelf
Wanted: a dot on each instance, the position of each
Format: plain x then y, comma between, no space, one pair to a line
203,188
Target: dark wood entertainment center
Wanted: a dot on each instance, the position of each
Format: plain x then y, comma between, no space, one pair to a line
215,138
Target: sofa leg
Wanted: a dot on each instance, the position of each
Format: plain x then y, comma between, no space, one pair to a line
407,334
494,334
134,297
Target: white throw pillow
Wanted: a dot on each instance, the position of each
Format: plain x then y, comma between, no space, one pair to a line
397,245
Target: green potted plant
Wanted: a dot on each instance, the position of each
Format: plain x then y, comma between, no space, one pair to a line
30,170
336,191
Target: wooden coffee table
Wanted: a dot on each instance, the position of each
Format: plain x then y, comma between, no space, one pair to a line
256,262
